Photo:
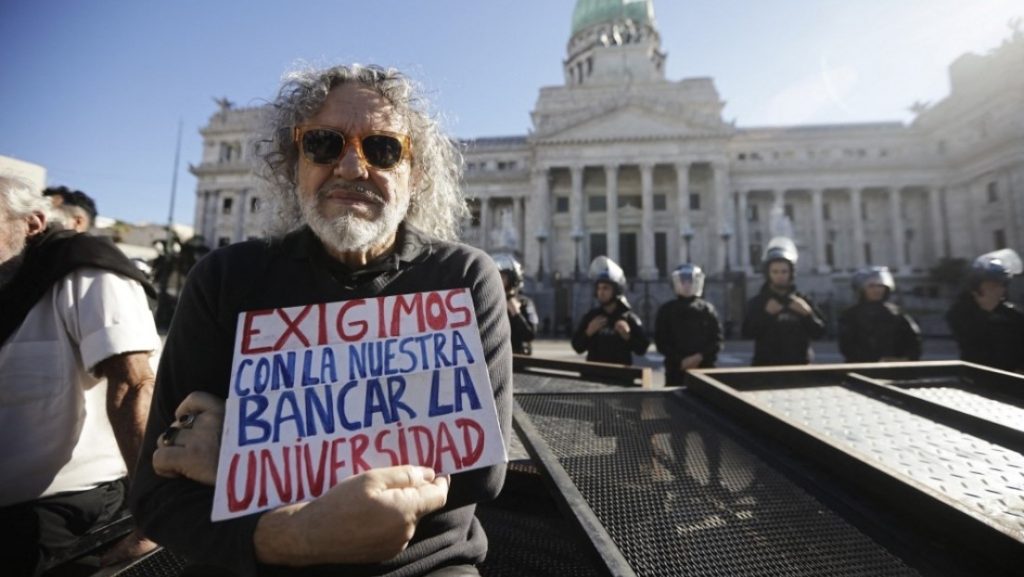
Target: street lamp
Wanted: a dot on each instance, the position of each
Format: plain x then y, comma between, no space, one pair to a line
687,235
577,237
541,237
726,235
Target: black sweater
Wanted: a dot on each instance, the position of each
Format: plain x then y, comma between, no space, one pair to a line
686,326
992,338
295,271
871,331
606,346
783,338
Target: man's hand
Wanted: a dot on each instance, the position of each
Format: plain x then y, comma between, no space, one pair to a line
988,300
196,447
772,307
800,306
133,546
691,362
596,324
368,518
513,306
622,327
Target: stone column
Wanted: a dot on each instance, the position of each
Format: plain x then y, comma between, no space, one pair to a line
542,220
611,175
723,213
937,226
858,228
896,222
576,200
648,270
486,226
744,231
683,223
202,206
819,232
212,219
243,196
517,220
1010,206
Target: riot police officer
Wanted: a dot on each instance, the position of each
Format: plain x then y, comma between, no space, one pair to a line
875,329
781,321
988,328
610,332
687,331
522,314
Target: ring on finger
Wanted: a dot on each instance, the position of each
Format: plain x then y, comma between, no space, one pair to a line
167,439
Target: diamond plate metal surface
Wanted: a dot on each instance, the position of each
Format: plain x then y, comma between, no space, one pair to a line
679,498
986,478
971,403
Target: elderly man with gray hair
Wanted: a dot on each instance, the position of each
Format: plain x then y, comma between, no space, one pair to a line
367,204
76,336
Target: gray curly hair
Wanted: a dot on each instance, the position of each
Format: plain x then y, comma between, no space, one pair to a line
437,205
19,199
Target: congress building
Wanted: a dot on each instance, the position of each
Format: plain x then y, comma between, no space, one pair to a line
624,162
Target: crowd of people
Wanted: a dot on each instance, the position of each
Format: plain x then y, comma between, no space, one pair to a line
367,204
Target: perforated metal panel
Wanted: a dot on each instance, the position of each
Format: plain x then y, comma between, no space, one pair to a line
680,498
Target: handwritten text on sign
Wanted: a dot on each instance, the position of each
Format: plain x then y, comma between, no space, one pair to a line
325,391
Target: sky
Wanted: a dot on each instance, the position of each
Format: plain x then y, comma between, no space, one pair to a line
95,90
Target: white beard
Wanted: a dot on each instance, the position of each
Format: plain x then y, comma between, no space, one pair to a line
350,233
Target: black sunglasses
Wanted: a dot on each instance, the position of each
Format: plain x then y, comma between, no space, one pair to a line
325,146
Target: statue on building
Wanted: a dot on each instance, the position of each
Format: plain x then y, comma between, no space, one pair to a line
780,224
506,236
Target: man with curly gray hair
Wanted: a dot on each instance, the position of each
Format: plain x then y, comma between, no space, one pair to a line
367,205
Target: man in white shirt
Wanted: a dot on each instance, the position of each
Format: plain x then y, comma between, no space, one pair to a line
76,340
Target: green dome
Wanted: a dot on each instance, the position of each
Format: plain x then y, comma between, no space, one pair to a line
590,12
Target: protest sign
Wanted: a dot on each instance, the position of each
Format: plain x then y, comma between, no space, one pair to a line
325,391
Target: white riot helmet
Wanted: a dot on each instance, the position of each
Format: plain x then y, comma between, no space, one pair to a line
688,280
873,275
998,265
780,248
604,269
508,265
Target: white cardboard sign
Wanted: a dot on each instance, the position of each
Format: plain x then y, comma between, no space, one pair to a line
325,391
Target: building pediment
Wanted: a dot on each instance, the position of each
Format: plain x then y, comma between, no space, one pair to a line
629,122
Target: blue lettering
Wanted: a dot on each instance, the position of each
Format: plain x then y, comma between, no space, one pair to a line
439,359
328,371
410,354
396,388
319,411
251,409
376,403
464,388
355,363
348,425
459,344
239,391
436,408
262,375
284,370
307,362
389,357
287,401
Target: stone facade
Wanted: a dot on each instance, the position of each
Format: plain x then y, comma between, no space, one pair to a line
624,162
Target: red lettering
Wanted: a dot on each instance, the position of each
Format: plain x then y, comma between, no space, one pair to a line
438,320
363,326
316,480
378,443
321,324
292,327
472,450
234,503
336,463
466,314
381,323
415,306
359,444
446,444
283,487
424,451
248,332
